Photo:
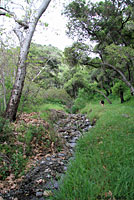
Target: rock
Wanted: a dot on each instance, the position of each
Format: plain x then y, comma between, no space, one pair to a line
65,168
47,193
39,194
42,162
48,158
52,185
48,176
72,145
125,115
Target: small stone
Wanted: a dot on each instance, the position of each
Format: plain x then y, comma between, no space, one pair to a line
39,194
48,176
61,163
72,145
47,170
42,198
61,154
47,193
125,115
48,158
42,162
65,168
56,185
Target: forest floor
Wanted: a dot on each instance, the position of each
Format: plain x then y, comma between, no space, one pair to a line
49,159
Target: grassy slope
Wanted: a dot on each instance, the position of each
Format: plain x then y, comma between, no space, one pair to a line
104,164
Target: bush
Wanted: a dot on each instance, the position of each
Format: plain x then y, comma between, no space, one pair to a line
81,100
57,96
5,130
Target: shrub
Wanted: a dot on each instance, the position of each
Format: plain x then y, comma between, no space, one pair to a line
5,130
81,100
57,96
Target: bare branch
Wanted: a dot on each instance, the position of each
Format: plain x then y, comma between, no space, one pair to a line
40,71
20,22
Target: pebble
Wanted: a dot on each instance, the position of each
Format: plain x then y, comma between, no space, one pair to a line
72,145
39,194
47,193
42,162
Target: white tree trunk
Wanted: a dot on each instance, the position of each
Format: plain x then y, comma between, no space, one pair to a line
21,71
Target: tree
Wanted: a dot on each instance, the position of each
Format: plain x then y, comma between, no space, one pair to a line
103,22
107,23
24,30
119,89
78,53
78,81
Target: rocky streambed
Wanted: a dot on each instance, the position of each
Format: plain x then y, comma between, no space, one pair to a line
41,180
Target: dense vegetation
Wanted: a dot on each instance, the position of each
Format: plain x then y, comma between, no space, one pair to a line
75,80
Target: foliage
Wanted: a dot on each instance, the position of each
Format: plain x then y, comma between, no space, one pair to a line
79,80
5,130
7,72
106,23
78,53
98,20
118,87
60,96
44,62
83,97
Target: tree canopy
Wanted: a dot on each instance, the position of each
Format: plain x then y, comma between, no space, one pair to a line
110,24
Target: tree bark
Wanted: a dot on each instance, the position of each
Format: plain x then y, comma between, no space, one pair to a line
25,42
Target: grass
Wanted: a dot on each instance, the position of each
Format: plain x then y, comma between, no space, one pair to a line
104,160
44,109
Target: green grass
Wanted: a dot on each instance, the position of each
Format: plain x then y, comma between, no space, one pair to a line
51,106
104,163
44,109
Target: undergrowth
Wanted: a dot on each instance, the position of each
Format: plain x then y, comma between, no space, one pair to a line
21,140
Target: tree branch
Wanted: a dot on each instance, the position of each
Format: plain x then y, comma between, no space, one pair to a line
104,96
20,22
122,75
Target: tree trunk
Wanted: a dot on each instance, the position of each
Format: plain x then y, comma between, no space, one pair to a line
121,97
4,88
25,42
13,103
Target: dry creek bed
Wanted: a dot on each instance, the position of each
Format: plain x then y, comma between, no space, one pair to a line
40,182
